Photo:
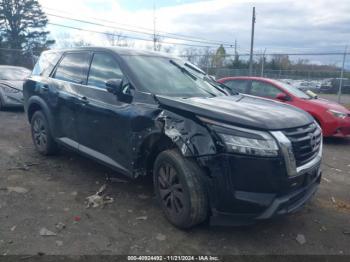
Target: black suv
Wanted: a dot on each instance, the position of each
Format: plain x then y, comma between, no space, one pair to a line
231,157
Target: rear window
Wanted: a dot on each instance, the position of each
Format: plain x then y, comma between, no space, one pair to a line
73,67
45,64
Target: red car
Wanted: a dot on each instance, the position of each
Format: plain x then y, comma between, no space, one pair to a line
332,117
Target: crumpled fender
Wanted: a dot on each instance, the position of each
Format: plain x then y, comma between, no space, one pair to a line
191,137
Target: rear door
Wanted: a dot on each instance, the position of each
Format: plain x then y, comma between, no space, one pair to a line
67,79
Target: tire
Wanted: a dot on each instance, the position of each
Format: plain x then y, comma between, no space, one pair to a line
180,189
41,135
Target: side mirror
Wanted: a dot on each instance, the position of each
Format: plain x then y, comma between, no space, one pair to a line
282,97
114,86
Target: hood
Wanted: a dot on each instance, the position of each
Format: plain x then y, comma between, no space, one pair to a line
11,83
326,104
242,110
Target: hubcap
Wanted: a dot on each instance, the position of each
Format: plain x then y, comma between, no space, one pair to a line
170,189
39,133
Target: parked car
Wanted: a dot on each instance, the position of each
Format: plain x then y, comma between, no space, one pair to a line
331,86
11,85
309,85
235,159
332,117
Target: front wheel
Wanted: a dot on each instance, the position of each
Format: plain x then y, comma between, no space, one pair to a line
180,189
41,135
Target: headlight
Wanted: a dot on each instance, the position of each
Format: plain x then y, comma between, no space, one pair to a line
250,146
245,141
7,89
337,113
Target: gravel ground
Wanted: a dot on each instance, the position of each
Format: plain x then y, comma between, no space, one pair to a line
50,192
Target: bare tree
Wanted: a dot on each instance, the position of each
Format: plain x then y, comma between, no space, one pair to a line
191,54
116,38
64,40
168,49
206,59
81,43
157,43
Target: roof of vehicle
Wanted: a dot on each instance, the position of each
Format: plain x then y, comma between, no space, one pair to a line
118,50
264,79
245,78
13,67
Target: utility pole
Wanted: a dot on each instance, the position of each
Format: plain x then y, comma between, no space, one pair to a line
154,28
252,44
263,63
342,75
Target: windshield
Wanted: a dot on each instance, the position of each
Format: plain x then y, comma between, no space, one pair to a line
14,74
294,90
169,77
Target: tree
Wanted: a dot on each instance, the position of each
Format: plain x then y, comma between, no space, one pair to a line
167,49
23,24
190,54
115,38
281,61
206,59
220,57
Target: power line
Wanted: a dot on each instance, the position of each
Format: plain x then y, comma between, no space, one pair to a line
280,54
164,34
130,30
127,36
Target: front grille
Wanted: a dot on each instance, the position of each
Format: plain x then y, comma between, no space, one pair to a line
306,142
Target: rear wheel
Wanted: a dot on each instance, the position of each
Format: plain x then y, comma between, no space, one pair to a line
41,135
180,189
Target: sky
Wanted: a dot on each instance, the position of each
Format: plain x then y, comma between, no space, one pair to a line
297,26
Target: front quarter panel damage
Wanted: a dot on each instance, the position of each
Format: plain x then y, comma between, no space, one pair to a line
168,129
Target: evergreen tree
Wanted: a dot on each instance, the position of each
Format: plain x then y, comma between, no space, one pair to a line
220,56
22,25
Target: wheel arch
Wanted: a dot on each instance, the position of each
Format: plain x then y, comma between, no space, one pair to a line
36,103
149,149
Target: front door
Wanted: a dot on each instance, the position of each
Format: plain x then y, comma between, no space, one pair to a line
103,121
263,89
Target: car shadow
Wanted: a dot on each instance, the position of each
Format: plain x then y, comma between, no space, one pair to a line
12,109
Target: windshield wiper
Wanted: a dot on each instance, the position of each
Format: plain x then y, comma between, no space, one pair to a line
219,86
183,69
198,70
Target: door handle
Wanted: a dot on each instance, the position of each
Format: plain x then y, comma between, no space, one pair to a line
84,100
45,88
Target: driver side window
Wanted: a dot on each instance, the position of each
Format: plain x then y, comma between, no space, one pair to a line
264,90
103,67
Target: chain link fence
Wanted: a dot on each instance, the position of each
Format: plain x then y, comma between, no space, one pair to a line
320,74
16,57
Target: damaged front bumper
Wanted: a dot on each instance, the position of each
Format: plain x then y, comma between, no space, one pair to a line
243,190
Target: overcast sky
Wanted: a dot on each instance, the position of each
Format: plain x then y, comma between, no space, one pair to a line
282,26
